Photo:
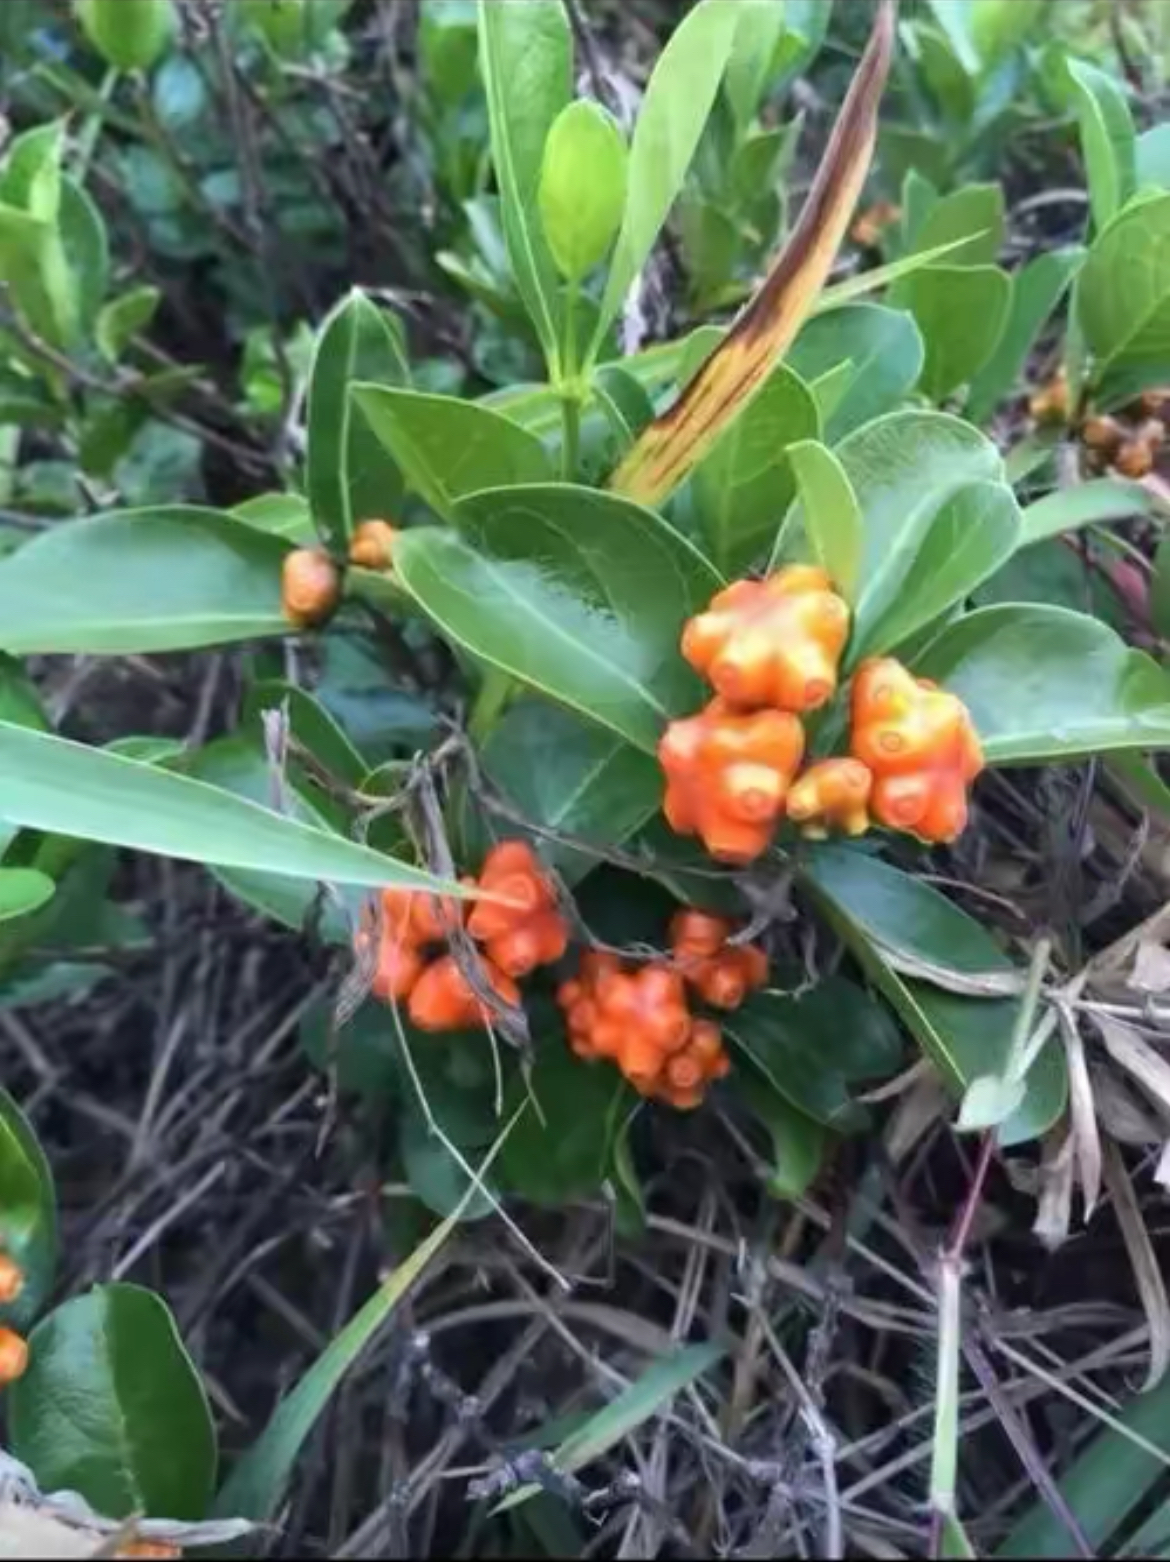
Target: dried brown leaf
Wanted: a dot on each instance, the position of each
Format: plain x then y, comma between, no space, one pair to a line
1144,1261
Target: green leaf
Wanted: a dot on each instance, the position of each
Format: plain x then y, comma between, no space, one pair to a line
974,215
435,1176
31,180
798,1141
1092,503
1152,157
743,486
120,321
905,469
525,56
579,595
832,516
28,1212
1110,1477
1043,683
1107,139
582,186
287,516
1122,301
961,311
890,920
23,890
813,1047
678,100
1037,288
560,1148
112,1407
169,579
312,726
998,26
349,477
449,448
761,26
86,252
257,1483
645,1397
572,778
128,34
49,783
883,348
971,535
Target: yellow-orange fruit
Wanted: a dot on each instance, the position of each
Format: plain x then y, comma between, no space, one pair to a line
442,998
1135,459
516,919
832,794
1102,433
11,1279
310,587
774,643
13,1355
372,545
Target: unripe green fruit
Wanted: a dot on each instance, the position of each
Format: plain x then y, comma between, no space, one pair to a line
128,34
582,186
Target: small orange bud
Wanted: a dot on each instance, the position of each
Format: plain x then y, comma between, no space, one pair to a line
372,545
310,587
1135,459
1051,403
443,999
833,792
13,1355
11,1279
1102,433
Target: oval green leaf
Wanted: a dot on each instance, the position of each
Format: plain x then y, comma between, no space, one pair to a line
449,448
883,350
170,579
23,890
1107,139
832,516
1099,500
349,474
1122,300
1043,683
582,186
1036,289
28,1212
578,594
112,1407
961,312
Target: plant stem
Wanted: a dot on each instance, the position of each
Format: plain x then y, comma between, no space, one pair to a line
570,391
494,694
571,440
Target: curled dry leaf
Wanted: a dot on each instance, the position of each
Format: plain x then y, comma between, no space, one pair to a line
1146,1272
1054,1209
1129,1051
671,446
920,1108
1122,1115
1082,1113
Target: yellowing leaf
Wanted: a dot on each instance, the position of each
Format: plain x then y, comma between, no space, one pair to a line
673,443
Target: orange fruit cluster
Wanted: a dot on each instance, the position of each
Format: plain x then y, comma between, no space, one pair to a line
920,746
13,1346
372,545
640,1020
1131,444
516,922
721,973
772,650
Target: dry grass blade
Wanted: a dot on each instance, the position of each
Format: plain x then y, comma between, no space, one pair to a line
1082,1113
1146,1273
1130,1052
1054,1208
672,445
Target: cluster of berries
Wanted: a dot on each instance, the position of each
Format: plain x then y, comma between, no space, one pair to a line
1128,443
640,1018
310,581
772,649
515,921
13,1346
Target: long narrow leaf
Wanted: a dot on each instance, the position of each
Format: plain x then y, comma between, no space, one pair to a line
673,443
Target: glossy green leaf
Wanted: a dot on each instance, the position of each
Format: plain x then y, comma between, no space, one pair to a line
579,595
85,246
31,178
559,1150
1043,683
889,919
961,311
525,56
798,1141
742,488
141,580
310,725
678,100
974,531
435,1176
23,890
1037,288
1122,300
350,475
1092,503
50,783
975,215
112,1407
1152,158
811,1049
1107,139
998,26
257,1483
645,1397
120,321
287,516
582,186
832,516
448,448
28,1212
883,348
128,34
571,777
761,26
905,470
